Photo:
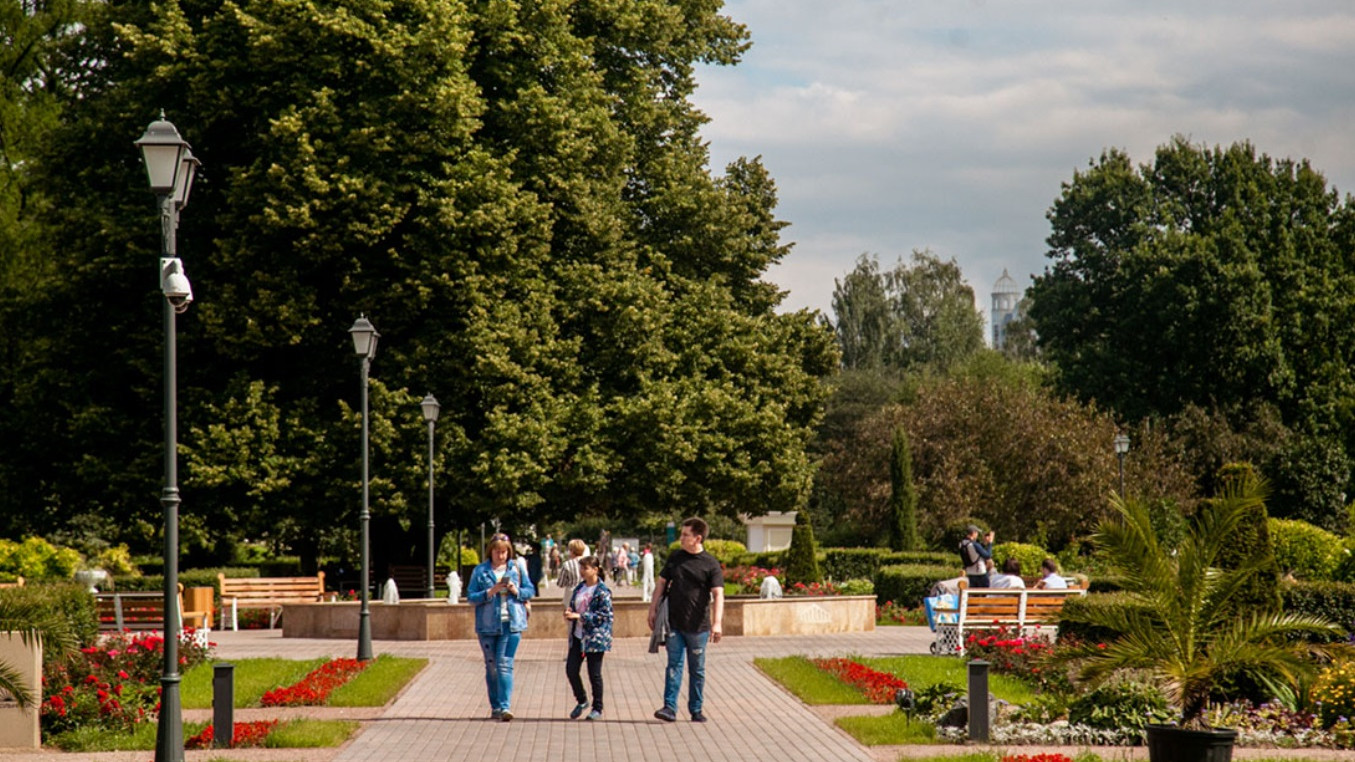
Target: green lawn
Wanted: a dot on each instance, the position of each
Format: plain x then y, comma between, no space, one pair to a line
921,671
295,734
809,683
374,686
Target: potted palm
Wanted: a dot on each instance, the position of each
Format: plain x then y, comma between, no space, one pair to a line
33,622
1186,630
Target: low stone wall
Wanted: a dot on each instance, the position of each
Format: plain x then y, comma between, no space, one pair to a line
438,620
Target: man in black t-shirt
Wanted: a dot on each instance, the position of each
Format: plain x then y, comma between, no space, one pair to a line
694,585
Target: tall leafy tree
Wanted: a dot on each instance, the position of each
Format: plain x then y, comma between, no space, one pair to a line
515,194
1215,277
915,315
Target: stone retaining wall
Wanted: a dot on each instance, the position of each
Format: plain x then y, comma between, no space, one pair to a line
438,620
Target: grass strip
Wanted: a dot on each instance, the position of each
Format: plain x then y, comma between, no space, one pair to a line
253,678
379,683
310,734
921,671
893,729
296,734
809,683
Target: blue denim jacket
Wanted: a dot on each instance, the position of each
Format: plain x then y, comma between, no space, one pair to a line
487,620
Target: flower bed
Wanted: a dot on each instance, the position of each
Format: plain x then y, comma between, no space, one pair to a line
314,688
245,735
115,684
877,686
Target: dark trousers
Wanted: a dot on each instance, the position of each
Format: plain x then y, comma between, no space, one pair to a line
572,665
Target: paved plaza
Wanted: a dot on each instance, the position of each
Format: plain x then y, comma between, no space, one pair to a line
444,715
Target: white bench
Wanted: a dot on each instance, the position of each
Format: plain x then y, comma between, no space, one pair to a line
1030,613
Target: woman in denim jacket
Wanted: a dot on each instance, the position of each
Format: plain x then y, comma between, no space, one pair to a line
589,618
499,591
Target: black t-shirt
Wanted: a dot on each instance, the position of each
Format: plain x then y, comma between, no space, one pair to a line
688,580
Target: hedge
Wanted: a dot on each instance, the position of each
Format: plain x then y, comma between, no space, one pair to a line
862,563
187,578
71,600
1330,600
1310,553
1070,629
908,584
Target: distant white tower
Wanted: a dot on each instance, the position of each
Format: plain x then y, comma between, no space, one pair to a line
1006,297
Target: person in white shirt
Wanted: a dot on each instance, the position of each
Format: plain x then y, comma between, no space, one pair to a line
1052,580
1010,576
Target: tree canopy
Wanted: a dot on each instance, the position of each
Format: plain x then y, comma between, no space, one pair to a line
916,315
1217,278
515,194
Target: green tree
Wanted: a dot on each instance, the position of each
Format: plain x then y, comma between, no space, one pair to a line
518,197
910,317
802,563
902,495
1209,277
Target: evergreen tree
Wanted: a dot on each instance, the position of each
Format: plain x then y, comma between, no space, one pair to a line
903,496
802,563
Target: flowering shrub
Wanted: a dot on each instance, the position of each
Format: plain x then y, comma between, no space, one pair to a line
1334,693
114,684
877,686
1029,658
247,734
749,578
890,612
314,688
813,588
1270,717
1036,758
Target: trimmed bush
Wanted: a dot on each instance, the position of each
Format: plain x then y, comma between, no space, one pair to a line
908,584
1071,626
852,563
767,559
1030,556
205,577
802,563
72,601
1308,552
37,559
1331,600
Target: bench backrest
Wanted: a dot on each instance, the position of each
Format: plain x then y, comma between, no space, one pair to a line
412,578
18,582
272,589
1006,604
136,610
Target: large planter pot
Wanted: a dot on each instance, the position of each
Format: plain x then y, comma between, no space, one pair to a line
1168,743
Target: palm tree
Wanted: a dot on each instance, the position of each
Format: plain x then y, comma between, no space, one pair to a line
1185,629
32,622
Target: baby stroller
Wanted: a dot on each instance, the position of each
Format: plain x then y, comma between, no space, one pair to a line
944,595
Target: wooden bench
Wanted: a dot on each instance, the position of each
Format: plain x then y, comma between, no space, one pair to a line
267,593
1029,613
18,582
142,610
412,580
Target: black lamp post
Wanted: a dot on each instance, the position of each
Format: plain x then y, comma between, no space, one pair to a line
1121,447
364,344
430,408
170,167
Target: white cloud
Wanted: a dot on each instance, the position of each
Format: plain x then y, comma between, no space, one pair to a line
949,125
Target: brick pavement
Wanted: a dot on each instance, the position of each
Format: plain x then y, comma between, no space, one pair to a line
443,714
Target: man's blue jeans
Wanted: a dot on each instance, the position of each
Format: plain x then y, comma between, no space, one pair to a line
693,646
499,651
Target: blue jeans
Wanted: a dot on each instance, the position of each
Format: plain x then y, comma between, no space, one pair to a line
693,646
499,651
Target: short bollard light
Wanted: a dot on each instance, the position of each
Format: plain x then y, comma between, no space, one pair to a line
906,702
223,705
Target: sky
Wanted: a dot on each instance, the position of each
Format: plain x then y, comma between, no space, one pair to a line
949,125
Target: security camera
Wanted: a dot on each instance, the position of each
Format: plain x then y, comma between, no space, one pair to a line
174,283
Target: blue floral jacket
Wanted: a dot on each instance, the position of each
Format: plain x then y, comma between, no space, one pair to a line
597,620
487,621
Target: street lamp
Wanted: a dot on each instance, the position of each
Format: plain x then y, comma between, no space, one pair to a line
364,344
1121,447
430,413
170,166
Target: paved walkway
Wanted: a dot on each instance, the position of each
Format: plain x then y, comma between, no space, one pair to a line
443,714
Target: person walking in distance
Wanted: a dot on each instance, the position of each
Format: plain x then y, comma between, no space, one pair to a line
647,576
692,583
589,619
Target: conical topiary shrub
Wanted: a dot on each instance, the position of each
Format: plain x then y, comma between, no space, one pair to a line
801,564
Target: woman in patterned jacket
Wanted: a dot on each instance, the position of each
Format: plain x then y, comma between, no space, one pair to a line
589,618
